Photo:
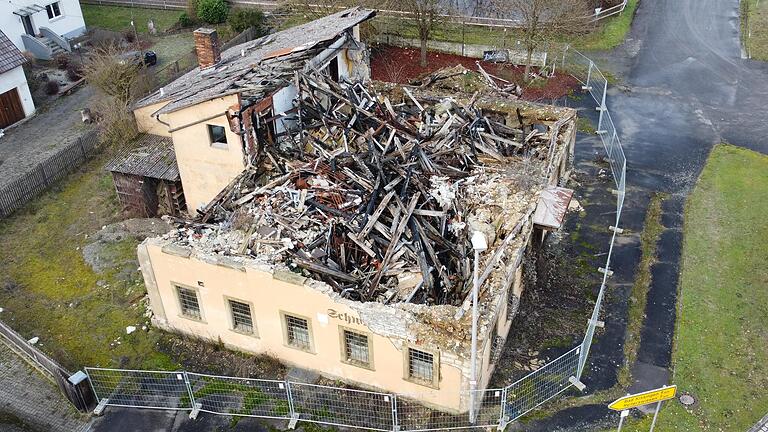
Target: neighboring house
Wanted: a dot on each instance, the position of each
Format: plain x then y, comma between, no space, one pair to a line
42,27
15,99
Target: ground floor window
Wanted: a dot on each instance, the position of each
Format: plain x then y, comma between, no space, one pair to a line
242,320
297,332
356,348
421,367
190,306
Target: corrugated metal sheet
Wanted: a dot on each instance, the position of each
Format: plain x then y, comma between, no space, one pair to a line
152,157
552,207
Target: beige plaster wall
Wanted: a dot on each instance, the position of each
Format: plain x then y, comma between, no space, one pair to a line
148,124
205,168
269,297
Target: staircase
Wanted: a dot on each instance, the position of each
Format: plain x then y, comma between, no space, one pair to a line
56,49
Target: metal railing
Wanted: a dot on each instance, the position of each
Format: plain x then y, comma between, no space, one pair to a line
348,407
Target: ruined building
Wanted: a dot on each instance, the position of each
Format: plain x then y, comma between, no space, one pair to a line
330,217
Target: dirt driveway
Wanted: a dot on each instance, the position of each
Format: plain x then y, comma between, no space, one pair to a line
51,129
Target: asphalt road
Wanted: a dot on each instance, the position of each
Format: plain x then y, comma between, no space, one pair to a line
684,87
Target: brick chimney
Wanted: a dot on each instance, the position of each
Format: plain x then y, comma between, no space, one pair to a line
207,47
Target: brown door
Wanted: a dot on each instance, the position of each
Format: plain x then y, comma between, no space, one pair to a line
11,110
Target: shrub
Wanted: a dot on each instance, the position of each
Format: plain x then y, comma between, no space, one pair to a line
74,72
62,61
212,11
129,35
243,19
52,87
104,39
185,20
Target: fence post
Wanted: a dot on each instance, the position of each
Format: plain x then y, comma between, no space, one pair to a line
189,390
82,147
589,76
502,409
41,169
395,426
291,408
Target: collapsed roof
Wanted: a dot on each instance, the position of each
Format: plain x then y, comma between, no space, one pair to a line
256,68
378,193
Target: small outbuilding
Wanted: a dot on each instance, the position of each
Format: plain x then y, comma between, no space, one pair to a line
147,179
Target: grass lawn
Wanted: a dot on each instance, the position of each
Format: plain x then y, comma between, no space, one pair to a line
48,290
119,18
611,32
754,28
721,345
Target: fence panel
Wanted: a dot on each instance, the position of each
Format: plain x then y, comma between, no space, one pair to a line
15,194
342,407
413,416
140,389
240,396
541,385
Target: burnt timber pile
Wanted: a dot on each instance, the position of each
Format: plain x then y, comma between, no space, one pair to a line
377,189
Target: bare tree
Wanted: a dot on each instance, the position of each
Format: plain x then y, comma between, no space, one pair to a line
113,73
542,19
426,14
120,79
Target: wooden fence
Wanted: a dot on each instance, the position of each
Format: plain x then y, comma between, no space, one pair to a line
14,195
81,394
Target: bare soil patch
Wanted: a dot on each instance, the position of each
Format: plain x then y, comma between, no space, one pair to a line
400,65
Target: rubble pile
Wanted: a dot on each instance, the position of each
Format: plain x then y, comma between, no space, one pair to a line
377,194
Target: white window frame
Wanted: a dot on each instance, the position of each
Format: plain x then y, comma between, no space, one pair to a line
51,12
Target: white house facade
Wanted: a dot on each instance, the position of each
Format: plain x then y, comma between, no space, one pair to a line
15,98
42,27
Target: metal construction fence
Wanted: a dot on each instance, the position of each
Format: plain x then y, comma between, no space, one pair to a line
595,83
37,180
349,407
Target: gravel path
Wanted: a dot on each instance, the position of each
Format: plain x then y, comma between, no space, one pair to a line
27,395
53,127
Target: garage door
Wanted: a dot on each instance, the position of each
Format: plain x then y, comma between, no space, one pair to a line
11,110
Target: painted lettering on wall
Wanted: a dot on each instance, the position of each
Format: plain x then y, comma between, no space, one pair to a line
349,319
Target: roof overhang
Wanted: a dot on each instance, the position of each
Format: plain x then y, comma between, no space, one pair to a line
29,10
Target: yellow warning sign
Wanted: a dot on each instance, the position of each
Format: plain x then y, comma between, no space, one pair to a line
644,398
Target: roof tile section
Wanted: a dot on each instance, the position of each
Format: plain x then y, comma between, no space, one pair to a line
552,207
260,65
10,56
154,158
